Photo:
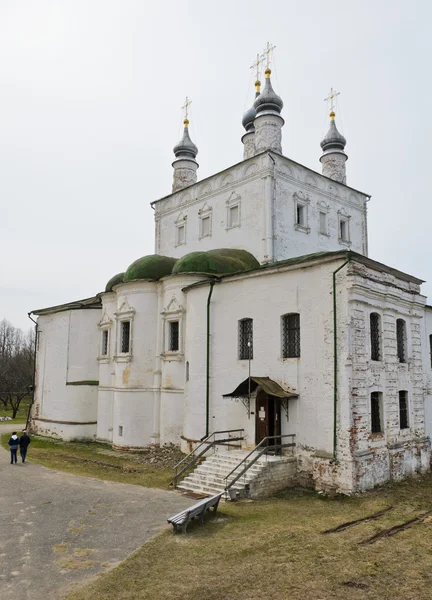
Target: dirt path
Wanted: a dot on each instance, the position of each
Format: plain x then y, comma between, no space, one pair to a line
57,530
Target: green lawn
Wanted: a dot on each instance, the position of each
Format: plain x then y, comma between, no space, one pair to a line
80,458
21,418
275,549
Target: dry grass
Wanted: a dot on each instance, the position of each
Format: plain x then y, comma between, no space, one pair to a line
75,458
275,549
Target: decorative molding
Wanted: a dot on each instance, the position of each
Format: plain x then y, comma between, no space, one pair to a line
125,311
173,308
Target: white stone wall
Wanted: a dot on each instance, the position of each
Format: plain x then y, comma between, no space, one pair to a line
66,355
426,327
267,226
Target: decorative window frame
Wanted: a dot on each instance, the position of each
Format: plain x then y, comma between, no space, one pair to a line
181,221
325,209
205,213
124,313
300,199
233,201
173,312
343,216
105,324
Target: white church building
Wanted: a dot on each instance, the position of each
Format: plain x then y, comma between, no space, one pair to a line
260,310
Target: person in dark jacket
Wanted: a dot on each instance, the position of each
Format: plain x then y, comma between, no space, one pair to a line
24,442
13,445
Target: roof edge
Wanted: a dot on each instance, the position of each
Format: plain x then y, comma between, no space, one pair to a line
87,303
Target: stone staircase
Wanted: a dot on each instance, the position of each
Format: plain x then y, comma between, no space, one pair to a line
209,477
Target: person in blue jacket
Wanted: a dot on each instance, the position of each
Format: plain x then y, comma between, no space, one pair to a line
24,442
13,445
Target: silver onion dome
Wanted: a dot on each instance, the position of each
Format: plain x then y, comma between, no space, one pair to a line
185,148
333,140
248,119
268,100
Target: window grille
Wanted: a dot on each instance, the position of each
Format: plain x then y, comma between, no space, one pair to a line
376,416
301,215
291,336
403,410
401,340
104,342
375,335
173,336
246,339
125,336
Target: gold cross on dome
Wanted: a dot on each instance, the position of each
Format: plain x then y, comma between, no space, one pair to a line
257,65
331,98
266,54
185,107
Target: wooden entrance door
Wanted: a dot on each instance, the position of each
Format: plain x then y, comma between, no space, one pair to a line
267,417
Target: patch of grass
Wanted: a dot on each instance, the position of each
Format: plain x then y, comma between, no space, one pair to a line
275,549
21,417
76,457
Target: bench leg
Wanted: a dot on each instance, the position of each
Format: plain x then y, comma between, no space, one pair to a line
184,526
215,507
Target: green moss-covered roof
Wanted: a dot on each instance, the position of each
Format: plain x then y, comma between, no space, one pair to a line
218,262
153,266
114,281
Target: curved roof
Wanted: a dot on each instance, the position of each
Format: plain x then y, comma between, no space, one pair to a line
114,281
217,262
153,266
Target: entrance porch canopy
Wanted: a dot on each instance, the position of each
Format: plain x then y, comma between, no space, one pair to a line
267,385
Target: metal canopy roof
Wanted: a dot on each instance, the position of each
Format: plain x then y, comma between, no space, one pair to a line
267,385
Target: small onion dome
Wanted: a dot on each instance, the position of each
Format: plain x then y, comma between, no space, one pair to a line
333,140
216,262
114,281
268,100
153,266
248,119
185,148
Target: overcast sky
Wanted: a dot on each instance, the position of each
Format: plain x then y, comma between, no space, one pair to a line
90,109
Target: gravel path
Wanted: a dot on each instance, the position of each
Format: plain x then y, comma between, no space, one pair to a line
59,530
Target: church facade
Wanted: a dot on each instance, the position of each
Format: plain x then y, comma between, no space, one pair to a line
261,311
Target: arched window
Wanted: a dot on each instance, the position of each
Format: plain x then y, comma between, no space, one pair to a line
291,335
375,336
401,340
245,339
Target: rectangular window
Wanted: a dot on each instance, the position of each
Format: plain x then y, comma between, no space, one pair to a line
205,226
375,336
173,336
120,430
104,350
403,410
125,337
245,341
343,230
401,340
376,412
291,336
234,216
323,223
301,215
181,235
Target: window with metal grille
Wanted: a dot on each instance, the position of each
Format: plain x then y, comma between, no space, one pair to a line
376,412
291,336
401,339
403,410
375,336
301,215
125,336
104,350
173,336
245,339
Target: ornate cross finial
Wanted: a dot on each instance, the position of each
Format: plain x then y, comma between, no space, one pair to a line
257,65
266,54
331,99
185,107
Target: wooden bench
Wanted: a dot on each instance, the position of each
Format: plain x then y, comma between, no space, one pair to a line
182,519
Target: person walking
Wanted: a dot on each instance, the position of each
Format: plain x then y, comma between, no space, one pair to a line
24,442
13,445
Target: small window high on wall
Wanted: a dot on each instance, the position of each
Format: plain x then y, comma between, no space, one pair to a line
403,410
375,336
376,412
291,335
401,340
104,349
173,336
125,337
245,339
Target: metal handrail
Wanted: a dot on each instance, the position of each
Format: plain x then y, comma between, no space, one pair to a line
258,455
192,457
